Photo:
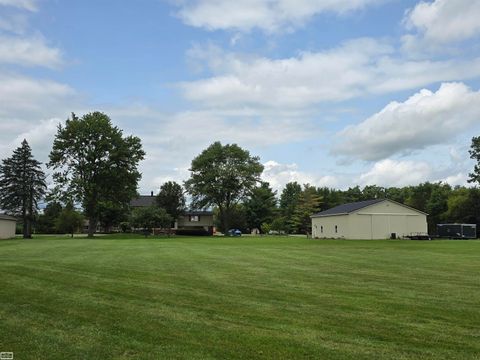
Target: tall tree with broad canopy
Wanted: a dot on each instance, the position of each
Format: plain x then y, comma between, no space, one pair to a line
475,155
171,198
95,164
289,200
261,206
223,175
22,185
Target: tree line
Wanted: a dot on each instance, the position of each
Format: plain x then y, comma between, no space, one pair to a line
95,167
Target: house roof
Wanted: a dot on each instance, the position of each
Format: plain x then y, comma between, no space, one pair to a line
348,208
7,217
199,212
351,207
143,201
148,200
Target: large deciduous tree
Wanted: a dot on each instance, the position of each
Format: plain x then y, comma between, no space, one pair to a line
223,175
171,198
475,155
22,185
95,164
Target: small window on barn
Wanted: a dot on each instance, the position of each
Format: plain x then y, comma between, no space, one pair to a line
336,229
321,229
194,218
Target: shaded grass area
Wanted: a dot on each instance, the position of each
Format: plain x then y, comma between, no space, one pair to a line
239,298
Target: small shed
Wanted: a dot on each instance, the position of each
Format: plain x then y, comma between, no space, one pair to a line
371,219
7,226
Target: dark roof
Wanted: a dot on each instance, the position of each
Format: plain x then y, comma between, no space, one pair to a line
143,201
7,217
148,200
199,212
348,208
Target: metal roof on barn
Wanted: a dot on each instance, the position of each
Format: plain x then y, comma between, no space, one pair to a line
348,208
7,217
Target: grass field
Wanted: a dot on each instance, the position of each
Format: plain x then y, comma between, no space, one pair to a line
232,298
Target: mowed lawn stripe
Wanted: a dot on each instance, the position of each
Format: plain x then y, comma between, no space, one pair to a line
265,297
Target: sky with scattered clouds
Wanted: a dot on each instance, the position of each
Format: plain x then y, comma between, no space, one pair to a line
333,93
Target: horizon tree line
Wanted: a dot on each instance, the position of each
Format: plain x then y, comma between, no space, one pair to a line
95,166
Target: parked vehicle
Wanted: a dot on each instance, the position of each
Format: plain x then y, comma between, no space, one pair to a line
234,232
457,231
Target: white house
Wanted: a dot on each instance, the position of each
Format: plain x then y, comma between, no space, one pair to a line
372,219
7,226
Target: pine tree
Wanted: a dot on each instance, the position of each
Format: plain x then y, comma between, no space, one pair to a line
22,184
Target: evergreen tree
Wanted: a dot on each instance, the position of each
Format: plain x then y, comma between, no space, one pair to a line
288,202
261,206
308,204
22,185
475,155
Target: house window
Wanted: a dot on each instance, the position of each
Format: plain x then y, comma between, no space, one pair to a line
336,229
321,229
194,218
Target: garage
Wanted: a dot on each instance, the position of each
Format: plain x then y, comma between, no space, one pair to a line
7,226
371,219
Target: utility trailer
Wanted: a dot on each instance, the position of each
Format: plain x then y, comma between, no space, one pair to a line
457,231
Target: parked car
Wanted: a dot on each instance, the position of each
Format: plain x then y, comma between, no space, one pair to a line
234,232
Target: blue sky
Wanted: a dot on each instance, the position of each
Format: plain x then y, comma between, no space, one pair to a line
333,93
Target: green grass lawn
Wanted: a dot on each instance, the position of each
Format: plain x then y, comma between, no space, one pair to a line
248,298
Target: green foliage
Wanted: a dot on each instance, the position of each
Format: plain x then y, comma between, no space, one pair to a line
111,214
238,218
222,176
22,185
308,204
279,225
475,155
149,218
288,202
46,222
69,220
265,227
94,163
261,206
171,198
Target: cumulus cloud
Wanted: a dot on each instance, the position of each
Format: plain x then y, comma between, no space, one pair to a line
278,174
354,69
443,21
425,119
28,52
399,173
393,173
24,97
267,15
30,5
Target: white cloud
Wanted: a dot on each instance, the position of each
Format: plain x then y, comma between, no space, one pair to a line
443,21
399,173
268,15
354,69
22,97
29,52
278,175
14,23
425,119
30,5
393,173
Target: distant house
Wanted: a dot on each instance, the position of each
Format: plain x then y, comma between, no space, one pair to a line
372,219
7,226
192,221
